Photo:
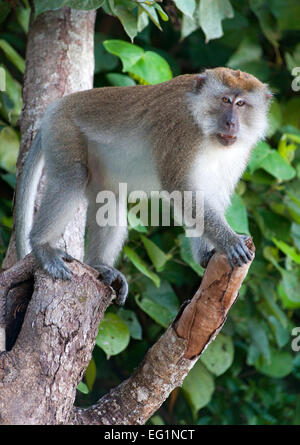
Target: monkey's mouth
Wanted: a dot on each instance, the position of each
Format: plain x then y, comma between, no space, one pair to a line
226,139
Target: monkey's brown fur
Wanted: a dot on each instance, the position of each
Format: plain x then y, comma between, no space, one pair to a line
192,133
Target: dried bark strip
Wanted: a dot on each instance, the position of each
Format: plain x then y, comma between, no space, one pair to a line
207,312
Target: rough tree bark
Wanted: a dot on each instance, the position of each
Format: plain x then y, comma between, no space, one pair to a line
46,359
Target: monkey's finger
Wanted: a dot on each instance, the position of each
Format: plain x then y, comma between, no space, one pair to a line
249,254
68,257
236,256
122,294
230,257
243,254
121,289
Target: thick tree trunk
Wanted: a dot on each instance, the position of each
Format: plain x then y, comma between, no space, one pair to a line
59,61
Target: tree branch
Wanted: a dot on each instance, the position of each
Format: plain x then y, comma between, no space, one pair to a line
171,358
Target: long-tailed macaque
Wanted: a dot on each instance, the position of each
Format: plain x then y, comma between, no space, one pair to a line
194,132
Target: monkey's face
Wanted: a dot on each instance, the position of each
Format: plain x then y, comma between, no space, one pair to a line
237,116
231,107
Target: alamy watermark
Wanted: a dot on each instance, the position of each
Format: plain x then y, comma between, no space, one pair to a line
187,208
296,80
295,345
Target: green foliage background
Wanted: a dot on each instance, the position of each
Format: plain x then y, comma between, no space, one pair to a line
249,374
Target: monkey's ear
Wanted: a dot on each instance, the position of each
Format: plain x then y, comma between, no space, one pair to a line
269,95
268,92
199,81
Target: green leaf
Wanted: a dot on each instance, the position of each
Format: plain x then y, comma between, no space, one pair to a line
259,153
160,304
128,19
266,20
248,51
288,250
10,179
5,9
9,149
211,14
12,55
13,93
104,61
286,302
157,420
189,25
286,148
113,335
187,7
90,374
280,365
274,118
141,265
291,285
198,387
152,14
143,19
291,113
287,13
23,17
295,234
131,320
187,256
263,156
282,335
156,255
128,52
120,80
83,388
272,225
218,356
273,307
151,69
236,215
163,15
259,338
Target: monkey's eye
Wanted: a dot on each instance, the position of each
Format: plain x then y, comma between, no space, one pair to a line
226,100
240,103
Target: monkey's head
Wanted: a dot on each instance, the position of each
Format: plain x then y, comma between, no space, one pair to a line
230,106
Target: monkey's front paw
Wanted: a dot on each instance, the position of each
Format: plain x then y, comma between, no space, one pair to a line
115,279
51,260
238,253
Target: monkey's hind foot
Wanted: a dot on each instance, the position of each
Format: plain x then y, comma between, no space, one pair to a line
51,261
115,279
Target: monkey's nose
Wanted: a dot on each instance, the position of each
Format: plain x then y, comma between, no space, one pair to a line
230,124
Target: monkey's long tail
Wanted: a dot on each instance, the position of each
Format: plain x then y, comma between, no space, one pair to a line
25,196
